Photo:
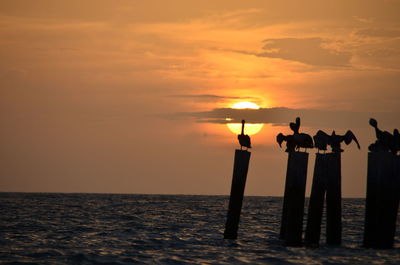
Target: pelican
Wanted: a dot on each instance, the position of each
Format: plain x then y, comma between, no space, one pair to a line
385,140
297,140
295,126
321,141
347,139
244,139
290,144
301,139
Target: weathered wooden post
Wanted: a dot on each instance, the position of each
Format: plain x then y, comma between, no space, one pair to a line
382,200
295,185
240,168
316,204
327,182
334,200
293,210
383,185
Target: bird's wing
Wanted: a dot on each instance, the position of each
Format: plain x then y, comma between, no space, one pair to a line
248,141
349,136
321,136
280,138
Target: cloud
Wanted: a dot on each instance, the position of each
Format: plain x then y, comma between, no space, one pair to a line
212,98
282,116
312,51
378,33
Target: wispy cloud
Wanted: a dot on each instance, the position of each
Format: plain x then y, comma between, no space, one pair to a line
378,33
312,51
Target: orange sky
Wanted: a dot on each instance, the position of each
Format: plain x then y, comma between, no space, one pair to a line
105,96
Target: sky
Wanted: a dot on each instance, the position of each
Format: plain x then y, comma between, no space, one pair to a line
133,96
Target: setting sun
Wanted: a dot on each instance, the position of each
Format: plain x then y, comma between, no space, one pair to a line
250,128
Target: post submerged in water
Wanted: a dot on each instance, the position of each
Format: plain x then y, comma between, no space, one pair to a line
240,168
326,182
382,202
295,184
293,201
383,185
316,204
334,200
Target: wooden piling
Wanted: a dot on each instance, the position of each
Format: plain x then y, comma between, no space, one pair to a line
382,202
334,200
316,204
240,168
293,204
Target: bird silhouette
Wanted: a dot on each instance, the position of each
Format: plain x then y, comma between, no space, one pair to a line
244,139
385,140
297,140
295,126
290,144
301,139
347,139
322,140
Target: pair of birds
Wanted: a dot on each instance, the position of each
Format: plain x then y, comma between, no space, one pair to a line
296,140
385,140
321,139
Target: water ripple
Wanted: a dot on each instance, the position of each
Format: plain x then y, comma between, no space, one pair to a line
163,229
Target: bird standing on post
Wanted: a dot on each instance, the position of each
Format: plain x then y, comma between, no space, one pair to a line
244,139
385,140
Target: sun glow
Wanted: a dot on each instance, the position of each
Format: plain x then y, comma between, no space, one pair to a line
250,128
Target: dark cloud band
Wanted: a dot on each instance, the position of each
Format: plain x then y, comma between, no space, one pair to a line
280,116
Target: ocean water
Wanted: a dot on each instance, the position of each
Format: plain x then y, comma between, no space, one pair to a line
38,228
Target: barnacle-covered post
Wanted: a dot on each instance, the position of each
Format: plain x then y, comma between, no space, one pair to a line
327,182
295,184
383,185
240,168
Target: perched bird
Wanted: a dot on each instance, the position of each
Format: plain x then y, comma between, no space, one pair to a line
295,126
244,139
336,140
297,140
290,144
322,140
385,140
301,139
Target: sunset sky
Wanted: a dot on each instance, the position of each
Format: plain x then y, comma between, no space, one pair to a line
133,96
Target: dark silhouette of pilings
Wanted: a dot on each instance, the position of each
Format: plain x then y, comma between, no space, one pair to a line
383,186
326,182
316,204
334,200
293,202
240,168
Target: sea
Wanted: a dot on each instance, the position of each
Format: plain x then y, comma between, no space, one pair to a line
56,228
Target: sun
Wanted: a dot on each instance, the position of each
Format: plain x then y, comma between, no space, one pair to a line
250,128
